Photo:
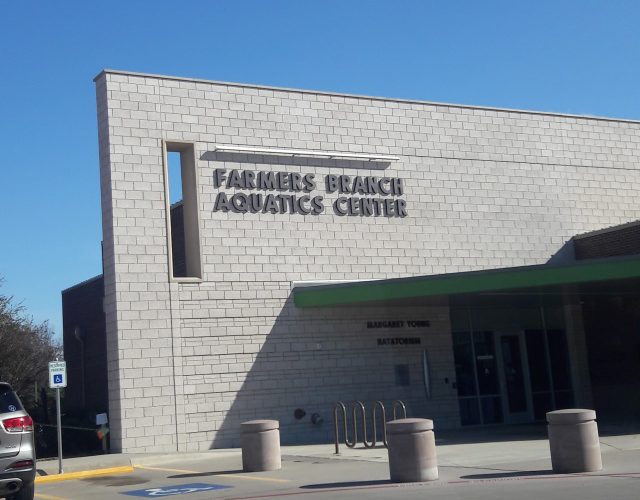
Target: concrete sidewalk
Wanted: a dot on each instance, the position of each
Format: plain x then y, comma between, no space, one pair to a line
458,449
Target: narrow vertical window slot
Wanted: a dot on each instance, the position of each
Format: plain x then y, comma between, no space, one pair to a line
175,177
181,187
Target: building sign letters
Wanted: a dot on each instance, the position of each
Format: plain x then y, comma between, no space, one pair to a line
294,193
399,323
400,341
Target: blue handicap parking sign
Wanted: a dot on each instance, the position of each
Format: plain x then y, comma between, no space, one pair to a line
180,489
57,379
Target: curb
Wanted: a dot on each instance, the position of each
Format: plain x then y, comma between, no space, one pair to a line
54,478
196,456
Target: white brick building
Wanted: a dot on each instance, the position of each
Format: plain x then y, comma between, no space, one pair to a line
191,354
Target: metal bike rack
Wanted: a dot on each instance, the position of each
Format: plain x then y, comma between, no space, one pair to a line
358,408
399,404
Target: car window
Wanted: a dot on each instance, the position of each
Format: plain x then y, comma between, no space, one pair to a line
9,401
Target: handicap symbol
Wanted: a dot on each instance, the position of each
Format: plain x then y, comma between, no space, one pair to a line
167,491
57,379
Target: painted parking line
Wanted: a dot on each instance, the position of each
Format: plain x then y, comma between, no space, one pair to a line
68,476
234,476
255,478
165,469
48,497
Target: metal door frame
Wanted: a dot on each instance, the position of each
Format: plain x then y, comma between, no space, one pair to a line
508,417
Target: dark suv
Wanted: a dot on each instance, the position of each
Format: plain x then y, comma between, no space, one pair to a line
17,451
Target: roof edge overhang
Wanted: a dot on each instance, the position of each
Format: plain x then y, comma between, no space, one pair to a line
82,283
491,280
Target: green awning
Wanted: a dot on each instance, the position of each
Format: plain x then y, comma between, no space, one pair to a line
467,282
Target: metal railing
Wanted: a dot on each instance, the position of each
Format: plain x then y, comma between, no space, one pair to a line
358,409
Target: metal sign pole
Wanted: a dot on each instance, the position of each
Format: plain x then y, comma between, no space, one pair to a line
58,379
59,417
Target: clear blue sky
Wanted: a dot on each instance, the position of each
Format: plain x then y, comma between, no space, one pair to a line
577,56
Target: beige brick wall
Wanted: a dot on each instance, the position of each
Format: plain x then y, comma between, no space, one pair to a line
189,361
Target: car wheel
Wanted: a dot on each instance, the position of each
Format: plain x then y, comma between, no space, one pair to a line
25,493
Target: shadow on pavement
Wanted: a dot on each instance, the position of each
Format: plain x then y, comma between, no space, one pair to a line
348,484
115,481
498,433
203,474
608,427
526,432
503,475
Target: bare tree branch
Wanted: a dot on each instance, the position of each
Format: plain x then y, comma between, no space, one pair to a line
25,349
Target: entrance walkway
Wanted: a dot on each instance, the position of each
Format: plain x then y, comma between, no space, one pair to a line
484,464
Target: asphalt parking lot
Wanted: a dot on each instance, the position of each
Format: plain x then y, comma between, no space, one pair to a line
517,469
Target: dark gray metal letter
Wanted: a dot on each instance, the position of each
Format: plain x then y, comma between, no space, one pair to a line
283,181
382,183
222,203
359,186
270,204
309,183
295,181
344,184
402,208
235,180
337,208
317,205
249,178
301,209
353,206
397,187
240,203
266,180
331,182
219,177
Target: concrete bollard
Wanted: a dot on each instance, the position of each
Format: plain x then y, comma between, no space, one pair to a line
412,450
574,441
260,445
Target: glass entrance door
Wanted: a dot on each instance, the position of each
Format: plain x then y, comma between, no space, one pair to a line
477,378
514,375
512,363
